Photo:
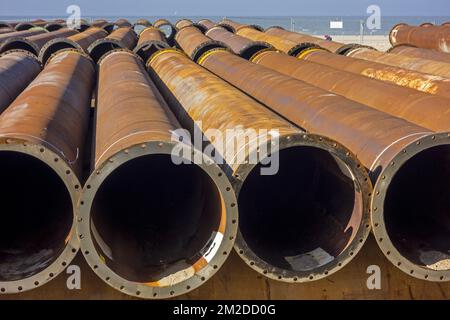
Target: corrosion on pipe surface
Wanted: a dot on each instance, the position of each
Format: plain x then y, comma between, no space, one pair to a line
430,37
195,43
418,64
124,38
426,110
206,24
241,46
4,30
395,75
143,22
122,23
24,26
234,26
183,23
151,39
411,51
80,42
167,28
22,34
268,242
300,38
284,45
150,228
54,26
40,150
407,163
34,44
17,69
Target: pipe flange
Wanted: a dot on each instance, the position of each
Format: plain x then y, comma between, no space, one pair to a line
27,44
152,290
59,165
253,48
55,45
377,208
362,185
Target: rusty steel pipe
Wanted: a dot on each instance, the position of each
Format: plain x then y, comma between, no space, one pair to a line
305,39
426,110
417,64
23,26
4,30
40,153
151,39
141,25
4,24
143,22
234,26
399,76
194,42
401,157
124,38
414,52
183,23
54,26
34,44
80,42
22,34
431,37
206,24
150,228
122,23
241,46
17,69
269,243
287,46
167,28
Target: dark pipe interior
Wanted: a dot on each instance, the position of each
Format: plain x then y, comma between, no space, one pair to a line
55,47
102,48
305,215
37,216
22,45
417,209
152,218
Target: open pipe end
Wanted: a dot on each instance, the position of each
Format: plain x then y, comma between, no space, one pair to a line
5,25
206,46
301,48
19,44
411,209
153,229
55,45
309,219
253,48
344,50
147,49
39,192
24,26
53,26
84,26
102,46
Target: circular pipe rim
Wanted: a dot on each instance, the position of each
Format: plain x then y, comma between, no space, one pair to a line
142,290
377,212
64,171
360,177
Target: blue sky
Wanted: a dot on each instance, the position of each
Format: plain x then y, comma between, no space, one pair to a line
225,7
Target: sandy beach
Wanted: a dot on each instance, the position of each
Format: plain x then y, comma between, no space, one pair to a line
379,42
